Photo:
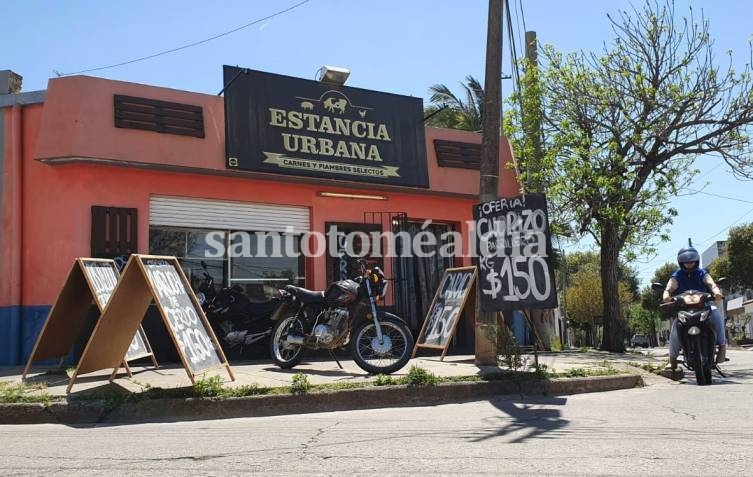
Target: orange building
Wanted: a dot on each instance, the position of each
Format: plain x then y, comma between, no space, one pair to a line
95,167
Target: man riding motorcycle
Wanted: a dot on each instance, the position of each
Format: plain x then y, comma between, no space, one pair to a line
691,277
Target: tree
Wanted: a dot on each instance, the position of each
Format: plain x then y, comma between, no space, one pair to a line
582,297
452,112
720,267
643,321
622,128
740,253
651,298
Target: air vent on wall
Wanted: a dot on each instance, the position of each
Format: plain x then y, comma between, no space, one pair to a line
463,155
158,116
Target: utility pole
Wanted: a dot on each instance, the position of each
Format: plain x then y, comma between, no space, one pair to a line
486,322
532,126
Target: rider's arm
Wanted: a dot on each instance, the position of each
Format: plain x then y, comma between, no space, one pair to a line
709,282
671,287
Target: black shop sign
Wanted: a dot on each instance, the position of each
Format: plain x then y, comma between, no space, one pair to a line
287,125
514,250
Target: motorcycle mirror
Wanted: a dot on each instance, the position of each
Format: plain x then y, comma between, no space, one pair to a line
203,265
657,286
722,282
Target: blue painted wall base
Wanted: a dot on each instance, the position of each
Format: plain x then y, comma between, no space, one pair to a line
19,329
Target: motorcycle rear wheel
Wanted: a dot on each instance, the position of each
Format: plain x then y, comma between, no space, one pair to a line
386,357
284,354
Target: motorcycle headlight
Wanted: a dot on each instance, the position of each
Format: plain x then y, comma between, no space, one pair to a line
201,297
694,330
704,315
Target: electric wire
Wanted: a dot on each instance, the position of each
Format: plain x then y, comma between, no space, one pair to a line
173,50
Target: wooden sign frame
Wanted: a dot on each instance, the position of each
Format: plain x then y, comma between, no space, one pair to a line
468,291
124,313
102,304
68,316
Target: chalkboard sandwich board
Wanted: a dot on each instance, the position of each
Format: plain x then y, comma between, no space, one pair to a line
90,280
446,308
158,279
102,276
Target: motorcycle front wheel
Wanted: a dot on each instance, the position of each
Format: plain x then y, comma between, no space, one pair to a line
384,357
285,354
702,375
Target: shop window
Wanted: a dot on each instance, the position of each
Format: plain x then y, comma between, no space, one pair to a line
259,275
262,274
188,246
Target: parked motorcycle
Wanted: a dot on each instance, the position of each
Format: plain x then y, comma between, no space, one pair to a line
344,315
696,331
237,321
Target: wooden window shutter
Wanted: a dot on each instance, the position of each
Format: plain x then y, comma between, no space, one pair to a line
114,231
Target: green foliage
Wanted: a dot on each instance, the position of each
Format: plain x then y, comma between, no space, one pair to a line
418,376
555,344
740,253
208,387
720,267
643,321
11,392
588,372
583,298
508,351
299,384
623,127
384,380
450,111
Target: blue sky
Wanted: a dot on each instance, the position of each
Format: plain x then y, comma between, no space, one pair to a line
397,46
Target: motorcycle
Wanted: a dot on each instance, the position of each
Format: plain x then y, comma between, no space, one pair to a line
344,315
237,321
696,331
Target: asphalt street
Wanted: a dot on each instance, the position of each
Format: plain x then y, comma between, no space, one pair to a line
664,428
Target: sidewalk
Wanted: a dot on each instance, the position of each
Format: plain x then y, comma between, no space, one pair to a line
318,371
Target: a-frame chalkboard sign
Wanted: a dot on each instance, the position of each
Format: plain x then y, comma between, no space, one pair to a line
446,309
89,280
158,279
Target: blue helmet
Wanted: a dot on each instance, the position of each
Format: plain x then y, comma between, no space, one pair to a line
688,255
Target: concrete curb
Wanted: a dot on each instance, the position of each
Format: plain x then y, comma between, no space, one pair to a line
156,410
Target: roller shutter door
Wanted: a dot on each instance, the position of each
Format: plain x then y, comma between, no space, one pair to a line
226,215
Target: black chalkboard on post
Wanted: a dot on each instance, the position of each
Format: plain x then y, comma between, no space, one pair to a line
513,242
444,313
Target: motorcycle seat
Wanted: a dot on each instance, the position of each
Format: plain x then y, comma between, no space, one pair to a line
305,295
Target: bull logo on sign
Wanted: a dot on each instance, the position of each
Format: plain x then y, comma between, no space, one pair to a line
332,105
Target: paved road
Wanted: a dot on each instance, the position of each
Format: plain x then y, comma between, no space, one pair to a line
665,428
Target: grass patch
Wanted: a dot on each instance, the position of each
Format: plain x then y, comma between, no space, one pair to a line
418,376
300,384
588,372
13,392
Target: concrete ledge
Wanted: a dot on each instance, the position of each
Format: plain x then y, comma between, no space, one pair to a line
156,410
